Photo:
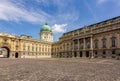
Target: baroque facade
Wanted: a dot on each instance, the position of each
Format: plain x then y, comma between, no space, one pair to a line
12,46
100,40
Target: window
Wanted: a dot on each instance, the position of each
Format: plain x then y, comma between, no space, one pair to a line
96,44
17,42
32,48
81,46
104,52
23,53
104,43
36,49
5,40
16,47
42,49
113,42
23,48
88,45
95,52
76,46
113,51
67,46
28,48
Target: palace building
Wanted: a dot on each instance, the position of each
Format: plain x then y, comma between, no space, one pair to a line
99,40
24,46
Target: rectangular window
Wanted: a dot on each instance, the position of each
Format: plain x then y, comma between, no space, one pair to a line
96,44
32,48
113,42
104,43
113,51
28,48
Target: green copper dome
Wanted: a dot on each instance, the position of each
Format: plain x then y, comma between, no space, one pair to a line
46,27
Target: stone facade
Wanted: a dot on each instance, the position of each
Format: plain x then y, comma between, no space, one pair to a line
46,36
24,47
100,40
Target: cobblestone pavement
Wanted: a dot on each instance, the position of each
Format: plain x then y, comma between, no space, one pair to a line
59,70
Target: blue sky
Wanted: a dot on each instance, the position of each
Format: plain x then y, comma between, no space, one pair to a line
27,16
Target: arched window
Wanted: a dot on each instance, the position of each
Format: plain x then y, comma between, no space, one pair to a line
113,42
104,43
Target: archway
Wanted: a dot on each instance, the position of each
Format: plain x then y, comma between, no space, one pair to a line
16,55
5,52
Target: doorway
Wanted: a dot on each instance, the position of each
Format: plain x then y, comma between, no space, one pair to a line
75,54
87,53
81,54
5,52
16,55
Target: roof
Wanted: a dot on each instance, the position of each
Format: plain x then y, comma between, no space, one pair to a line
46,27
96,24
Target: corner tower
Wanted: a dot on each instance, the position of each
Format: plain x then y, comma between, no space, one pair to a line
46,33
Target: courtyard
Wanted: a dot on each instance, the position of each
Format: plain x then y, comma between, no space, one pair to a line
59,69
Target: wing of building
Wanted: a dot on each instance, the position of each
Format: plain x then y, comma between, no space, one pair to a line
25,46
99,40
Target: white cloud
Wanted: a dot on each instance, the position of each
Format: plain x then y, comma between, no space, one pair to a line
11,12
65,9
20,11
56,28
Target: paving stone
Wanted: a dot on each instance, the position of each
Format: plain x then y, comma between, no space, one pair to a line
59,69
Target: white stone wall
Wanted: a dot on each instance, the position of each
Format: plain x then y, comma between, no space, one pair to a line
46,36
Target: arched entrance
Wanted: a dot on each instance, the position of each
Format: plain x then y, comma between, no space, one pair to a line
5,52
16,55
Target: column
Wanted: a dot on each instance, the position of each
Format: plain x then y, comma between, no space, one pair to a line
73,45
78,44
84,43
84,46
73,49
91,40
78,52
